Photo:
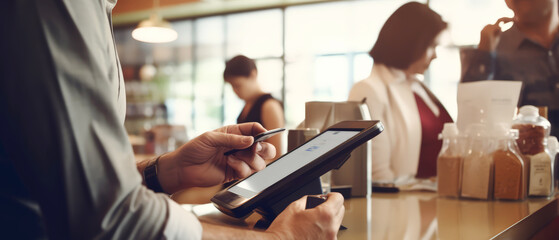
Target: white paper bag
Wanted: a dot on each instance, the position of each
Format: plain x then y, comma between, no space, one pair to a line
487,101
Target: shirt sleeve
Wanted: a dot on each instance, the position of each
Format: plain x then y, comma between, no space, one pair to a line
62,133
380,145
477,64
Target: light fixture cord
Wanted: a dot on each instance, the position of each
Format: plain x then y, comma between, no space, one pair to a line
155,13
156,5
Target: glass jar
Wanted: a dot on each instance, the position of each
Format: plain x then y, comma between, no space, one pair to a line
477,167
509,166
449,162
533,130
532,141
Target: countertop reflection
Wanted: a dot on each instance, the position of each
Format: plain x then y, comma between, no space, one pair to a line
423,215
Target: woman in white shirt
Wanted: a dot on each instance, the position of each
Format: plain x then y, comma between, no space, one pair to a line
413,117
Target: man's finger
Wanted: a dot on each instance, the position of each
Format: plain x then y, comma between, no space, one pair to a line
234,141
334,201
248,129
503,20
255,161
300,204
240,167
265,150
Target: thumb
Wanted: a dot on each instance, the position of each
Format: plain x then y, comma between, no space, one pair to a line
299,205
228,140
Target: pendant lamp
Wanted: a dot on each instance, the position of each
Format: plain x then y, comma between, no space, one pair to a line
155,29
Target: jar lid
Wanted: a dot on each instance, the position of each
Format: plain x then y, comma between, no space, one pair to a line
501,131
478,130
450,130
530,115
529,110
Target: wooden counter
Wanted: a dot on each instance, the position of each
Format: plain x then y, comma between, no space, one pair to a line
422,215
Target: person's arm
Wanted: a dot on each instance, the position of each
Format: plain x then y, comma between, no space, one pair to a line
198,168
380,145
272,118
201,161
479,64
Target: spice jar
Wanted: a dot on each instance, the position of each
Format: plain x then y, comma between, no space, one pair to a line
509,166
449,162
533,130
477,168
532,140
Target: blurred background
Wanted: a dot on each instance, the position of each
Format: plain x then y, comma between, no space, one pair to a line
304,50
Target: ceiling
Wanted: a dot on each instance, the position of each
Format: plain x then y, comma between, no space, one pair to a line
131,12
130,6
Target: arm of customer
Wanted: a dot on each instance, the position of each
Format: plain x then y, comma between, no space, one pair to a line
201,162
479,64
380,145
491,35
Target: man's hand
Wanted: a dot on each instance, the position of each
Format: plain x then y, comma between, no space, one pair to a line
295,222
491,34
201,162
321,222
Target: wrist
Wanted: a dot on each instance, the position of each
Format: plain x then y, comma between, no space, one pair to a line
167,174
486,46
150,172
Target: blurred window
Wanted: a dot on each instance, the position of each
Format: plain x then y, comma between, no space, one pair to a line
312,52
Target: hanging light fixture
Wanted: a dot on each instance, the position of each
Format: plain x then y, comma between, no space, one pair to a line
155,29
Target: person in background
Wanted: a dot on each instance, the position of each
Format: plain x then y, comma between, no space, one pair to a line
395,94
527,52
240,71
68,170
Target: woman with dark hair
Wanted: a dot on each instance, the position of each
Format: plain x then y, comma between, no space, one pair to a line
394,92
241,73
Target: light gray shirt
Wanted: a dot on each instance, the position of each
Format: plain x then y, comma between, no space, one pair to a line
66,166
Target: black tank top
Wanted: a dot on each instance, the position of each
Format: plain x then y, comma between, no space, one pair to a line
255,112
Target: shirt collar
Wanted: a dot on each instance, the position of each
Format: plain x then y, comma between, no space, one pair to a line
388,75
513,38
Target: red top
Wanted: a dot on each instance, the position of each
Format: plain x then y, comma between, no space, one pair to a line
431,126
